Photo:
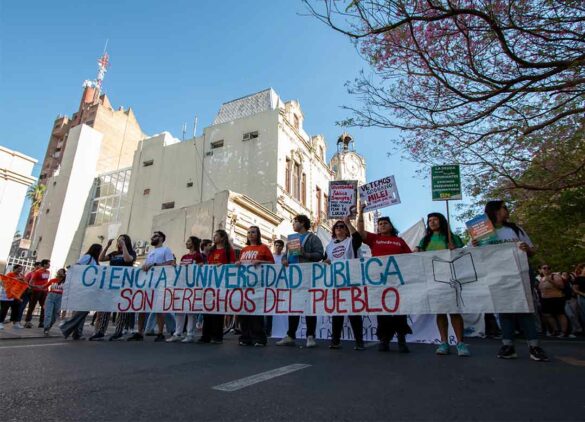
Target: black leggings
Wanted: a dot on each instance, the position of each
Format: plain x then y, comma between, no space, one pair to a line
13,305
357,326
293,325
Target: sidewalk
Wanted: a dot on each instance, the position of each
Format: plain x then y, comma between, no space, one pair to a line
11,333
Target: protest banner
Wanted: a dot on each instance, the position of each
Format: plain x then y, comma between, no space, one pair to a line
482,230
379,194
488,279
14,288
342,199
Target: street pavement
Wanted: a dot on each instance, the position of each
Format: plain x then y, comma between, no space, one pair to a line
55,379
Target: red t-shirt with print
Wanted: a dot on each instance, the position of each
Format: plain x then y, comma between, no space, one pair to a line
218,256
386,245
256,253
192,258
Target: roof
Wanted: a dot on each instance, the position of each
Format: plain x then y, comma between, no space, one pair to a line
247,106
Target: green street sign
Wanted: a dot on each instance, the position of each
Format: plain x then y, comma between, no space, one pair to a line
446,183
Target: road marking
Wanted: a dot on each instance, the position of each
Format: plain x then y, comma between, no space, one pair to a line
261,377
571,361
33,345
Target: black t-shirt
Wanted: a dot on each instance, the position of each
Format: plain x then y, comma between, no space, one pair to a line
580,282
117,259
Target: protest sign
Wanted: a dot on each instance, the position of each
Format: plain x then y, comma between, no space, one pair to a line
14,288
379,194
482,230
446,183
342,198
293,244
488,279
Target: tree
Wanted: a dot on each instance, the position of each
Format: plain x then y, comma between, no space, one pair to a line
35,193
492,85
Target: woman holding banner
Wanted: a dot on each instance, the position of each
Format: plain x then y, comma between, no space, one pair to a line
221,253
254,253
506,231
439,237
74,325
193,245
53,302
387,242
345,244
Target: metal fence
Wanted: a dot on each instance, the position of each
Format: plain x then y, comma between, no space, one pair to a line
27,263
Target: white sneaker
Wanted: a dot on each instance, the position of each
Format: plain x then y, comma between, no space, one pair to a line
287,341
17,325
311,342
174,339
1,326
188,339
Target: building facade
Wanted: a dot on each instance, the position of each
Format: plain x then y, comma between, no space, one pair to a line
15,179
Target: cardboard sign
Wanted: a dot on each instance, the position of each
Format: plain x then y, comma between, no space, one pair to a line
342,199
379,194
446,183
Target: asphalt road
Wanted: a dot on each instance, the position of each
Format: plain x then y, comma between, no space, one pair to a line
53,379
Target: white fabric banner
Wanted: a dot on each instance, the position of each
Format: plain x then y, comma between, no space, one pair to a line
470,280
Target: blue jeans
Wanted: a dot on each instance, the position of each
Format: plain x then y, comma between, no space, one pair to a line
52,308
527,324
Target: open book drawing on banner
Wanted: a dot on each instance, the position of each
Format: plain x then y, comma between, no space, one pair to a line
455,273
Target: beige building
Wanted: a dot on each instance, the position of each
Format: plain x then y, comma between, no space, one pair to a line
254,165
15,179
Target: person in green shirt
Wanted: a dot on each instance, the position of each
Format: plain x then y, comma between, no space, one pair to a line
437,238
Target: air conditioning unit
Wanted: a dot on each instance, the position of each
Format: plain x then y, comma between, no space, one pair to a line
209,153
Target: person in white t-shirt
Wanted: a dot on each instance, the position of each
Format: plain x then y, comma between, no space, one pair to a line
498,213
278,248
159,256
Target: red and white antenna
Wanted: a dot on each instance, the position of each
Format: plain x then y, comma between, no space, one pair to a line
103,64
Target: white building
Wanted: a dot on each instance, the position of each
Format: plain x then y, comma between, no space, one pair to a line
15,179
255,165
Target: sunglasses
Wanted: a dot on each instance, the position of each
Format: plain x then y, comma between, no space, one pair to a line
339,226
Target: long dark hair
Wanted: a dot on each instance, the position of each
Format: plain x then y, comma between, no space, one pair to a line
128,243
259,239
492,208
227,246
196,242
94,251
444,229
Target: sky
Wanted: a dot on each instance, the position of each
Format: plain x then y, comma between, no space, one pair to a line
173,60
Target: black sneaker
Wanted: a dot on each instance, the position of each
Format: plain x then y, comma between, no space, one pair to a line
136,337
216,341
335,345
259,344
115,337
359,345
402,347
96,337
507,352
383,346
202,341
159,338
537,354
246,343
27,325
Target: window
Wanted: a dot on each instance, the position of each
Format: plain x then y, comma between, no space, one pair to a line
325,205
146,191
167,205
318,201
47,211
304,189
321,153
217,144
287,175
148,163
250,135
297,122
296,181
189,184
109,197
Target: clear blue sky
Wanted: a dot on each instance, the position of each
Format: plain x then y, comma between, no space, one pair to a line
176,59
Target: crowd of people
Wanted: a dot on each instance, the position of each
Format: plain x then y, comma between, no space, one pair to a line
559,296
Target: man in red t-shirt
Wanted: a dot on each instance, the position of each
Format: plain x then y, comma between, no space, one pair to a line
38,283
387,242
